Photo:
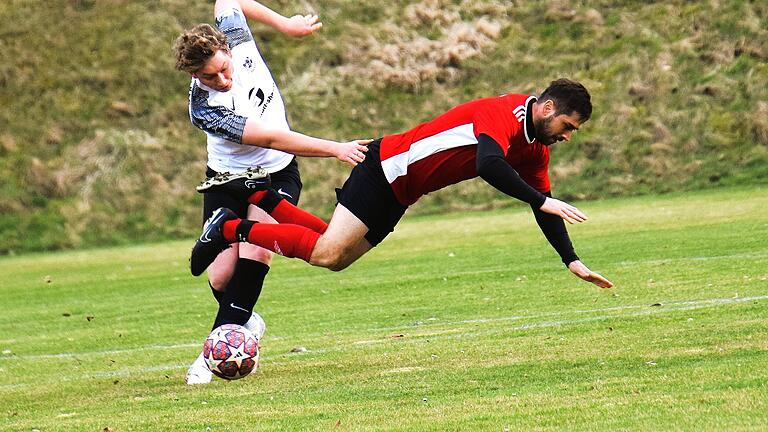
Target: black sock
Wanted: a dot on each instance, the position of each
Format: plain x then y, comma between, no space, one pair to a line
218,295
242,292
270,200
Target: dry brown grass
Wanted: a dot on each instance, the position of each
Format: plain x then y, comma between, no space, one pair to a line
400,55
760,123
101,173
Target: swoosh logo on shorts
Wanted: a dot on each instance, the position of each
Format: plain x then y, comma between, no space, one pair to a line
282,192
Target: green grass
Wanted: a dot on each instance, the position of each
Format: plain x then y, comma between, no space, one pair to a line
460,322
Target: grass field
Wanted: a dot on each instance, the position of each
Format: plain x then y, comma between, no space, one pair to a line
460,322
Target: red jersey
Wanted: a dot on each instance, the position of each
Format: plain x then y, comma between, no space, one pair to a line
442,151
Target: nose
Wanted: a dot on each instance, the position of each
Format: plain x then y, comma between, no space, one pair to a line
566,136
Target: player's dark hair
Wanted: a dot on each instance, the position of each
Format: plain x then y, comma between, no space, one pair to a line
196,46
568,96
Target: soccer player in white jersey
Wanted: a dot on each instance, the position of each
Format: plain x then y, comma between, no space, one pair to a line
234,99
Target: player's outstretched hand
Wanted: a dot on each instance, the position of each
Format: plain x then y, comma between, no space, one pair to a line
301,25
566,211
579,269
352,152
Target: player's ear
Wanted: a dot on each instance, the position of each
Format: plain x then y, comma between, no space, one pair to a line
549,108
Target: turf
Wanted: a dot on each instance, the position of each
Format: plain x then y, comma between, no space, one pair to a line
459,322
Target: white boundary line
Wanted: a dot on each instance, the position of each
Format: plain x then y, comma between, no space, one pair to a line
645,310
676,306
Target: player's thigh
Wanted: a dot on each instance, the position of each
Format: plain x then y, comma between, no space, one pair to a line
343,242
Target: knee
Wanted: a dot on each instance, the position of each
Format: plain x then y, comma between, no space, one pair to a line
255,253
218,281
337,266
334,261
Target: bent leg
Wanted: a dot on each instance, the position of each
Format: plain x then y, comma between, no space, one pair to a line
244,287
221,270
343,242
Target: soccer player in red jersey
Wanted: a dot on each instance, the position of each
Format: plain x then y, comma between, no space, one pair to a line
504,140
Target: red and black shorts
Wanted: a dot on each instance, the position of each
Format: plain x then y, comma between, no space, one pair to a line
287,182
369,196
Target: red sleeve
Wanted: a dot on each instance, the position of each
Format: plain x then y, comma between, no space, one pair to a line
496,120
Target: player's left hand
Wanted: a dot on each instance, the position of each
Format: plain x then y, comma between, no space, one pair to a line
301,25
580,270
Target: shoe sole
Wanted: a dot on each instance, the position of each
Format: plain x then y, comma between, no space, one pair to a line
255,174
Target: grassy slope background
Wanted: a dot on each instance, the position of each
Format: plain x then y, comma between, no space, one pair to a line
96,147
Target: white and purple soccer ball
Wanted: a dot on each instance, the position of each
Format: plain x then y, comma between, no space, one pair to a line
231,351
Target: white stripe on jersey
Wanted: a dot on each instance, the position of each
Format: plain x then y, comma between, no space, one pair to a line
458,136
519,112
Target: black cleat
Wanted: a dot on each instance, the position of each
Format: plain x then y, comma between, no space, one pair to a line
240,185
211,242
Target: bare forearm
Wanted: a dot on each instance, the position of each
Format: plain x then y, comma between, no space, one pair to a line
258,12
287,141
294,26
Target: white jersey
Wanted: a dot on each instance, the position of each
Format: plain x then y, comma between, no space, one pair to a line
254,96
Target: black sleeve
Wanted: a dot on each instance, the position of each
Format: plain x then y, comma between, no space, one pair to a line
554,230
494,169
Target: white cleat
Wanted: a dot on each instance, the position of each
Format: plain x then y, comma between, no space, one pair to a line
198,372
256,325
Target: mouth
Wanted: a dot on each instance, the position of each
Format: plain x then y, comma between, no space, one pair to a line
224,87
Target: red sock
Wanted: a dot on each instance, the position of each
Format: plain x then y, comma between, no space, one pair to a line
229,230
286,212
292,241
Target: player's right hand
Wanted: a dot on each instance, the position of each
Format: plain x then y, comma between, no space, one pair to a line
566,211
352,152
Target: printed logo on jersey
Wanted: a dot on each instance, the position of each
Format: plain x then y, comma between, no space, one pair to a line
268,99
258,93
278,250
248,64
520,113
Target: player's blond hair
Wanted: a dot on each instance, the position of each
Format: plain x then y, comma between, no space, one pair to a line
196,46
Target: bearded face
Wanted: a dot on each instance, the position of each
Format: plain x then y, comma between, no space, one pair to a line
544,130
556,127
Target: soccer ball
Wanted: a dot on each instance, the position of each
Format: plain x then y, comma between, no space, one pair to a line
231,351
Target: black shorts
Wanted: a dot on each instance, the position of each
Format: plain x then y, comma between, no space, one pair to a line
369,196
287,182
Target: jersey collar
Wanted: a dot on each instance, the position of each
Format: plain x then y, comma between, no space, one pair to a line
528,128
